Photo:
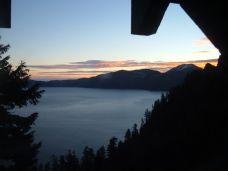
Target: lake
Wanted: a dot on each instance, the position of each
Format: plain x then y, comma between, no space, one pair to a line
72,118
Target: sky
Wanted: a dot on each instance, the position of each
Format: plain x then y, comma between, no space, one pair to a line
67,39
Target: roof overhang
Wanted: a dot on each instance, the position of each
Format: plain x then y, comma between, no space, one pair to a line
210,16
5,13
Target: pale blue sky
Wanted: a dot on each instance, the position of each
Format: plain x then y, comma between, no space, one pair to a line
46,32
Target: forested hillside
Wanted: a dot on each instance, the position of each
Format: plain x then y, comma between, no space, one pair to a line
186,130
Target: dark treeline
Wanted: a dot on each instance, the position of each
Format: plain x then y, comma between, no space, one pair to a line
186,130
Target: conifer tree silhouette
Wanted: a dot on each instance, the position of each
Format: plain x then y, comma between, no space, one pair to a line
17,148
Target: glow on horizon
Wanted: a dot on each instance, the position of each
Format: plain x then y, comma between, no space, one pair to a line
93,68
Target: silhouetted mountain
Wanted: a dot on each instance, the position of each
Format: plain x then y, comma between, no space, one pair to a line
184,68
137,79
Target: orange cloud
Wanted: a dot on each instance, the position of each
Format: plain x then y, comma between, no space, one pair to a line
202,52
92,68
203,41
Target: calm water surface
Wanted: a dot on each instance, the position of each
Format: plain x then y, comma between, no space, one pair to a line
72,118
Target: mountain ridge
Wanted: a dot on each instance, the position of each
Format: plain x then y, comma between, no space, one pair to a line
146,79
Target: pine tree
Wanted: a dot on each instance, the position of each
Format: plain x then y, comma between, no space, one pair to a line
127,135
99,162
135,131
54,163
112,147
72,162
17,148
87,160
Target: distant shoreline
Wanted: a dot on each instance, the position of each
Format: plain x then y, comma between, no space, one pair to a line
106,89
144,79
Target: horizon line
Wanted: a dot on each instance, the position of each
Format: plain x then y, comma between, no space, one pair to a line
41,74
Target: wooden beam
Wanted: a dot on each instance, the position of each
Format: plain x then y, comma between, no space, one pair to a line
5,13
147,15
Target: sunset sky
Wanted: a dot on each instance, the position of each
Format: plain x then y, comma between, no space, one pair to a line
65,39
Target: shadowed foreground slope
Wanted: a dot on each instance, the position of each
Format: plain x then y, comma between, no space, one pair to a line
187,128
